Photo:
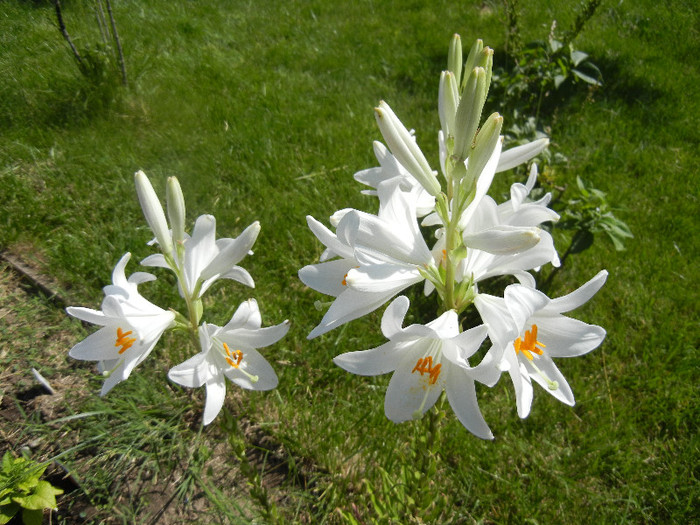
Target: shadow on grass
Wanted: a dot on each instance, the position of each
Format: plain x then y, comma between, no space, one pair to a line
71,101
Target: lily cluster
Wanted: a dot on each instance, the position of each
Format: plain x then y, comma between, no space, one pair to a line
132,325
371,258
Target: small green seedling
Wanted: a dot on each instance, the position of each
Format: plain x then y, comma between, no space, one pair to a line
21,488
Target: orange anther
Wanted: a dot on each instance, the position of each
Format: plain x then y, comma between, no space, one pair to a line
231,355
425,366
530,345
124,341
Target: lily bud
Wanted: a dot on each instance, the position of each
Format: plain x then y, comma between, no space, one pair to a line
471,61
469,112
454,57
503,240
485,60
153,211
486,140
176,208
448,100
403,146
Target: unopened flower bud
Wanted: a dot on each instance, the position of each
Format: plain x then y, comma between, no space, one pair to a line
454,57
176,208
469,112
472,60
153,211
486,140
448,100
485,60
403,146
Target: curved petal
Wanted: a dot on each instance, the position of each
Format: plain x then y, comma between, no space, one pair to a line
520,154
392,320
579,296
327,277
88,315
256,338
466,345
461,394
216,393
97,347
200,248
522,303
567,337
563,391
157,260
376,361
496,317
247,315
116,377
348,306
137,278
253,364
238,274
118,275
192,373
521,384
231,252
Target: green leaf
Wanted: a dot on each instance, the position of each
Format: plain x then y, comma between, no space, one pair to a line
578,56
7,512
586,78
582,241
44,497
32,517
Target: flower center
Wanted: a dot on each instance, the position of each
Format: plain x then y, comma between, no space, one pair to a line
529,344
344,282
234,357
123,340
424,365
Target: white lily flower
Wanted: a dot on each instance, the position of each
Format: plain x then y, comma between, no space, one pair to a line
380,255
330,276
532,330
131,325
230,352
523,212
498,245
427,359
207,259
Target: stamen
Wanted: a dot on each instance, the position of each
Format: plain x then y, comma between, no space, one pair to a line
425,366
124,341
230,356
234,358
530,345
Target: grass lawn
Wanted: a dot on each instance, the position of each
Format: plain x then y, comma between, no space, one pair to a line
263,110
